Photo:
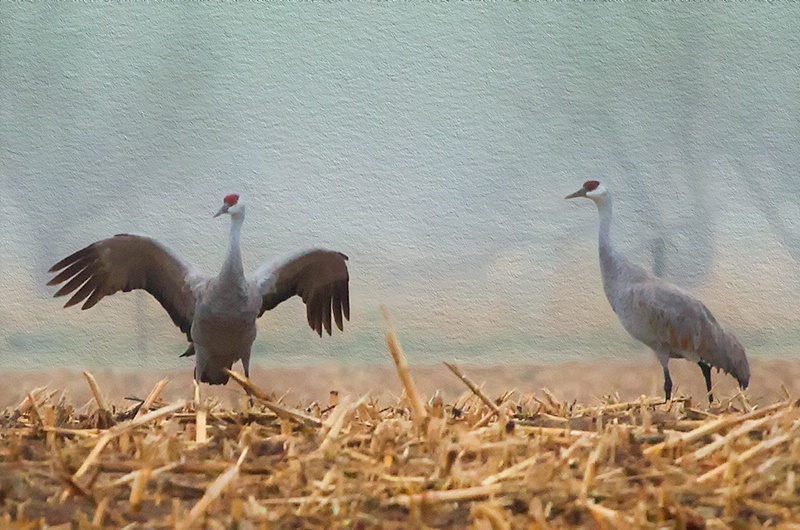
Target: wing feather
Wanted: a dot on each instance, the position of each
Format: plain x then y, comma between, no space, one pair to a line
124,263
337,309
78,280
70,271
319,277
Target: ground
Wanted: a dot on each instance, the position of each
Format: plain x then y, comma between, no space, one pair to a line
442,456
584,382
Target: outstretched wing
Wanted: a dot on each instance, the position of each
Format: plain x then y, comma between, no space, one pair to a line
319,277
678,321
126,262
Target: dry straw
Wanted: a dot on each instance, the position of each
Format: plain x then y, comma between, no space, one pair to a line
511,461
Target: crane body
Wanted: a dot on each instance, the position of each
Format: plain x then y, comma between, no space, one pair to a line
217,313
664,317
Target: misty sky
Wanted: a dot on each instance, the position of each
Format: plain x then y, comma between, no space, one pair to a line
432,143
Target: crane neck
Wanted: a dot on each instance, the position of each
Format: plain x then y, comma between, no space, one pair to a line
605,209
610,260
232,269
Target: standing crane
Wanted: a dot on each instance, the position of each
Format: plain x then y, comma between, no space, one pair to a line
672,322
217,313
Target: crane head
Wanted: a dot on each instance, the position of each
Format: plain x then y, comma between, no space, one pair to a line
231,206
592,189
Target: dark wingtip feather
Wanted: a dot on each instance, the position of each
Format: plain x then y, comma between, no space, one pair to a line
85,291
75,282
71,302
326,315
69,260
68,288
72,270
96,296
58,266
189,351
337,309
88,305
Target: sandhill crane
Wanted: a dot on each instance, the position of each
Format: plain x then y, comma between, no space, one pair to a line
672,322
217,313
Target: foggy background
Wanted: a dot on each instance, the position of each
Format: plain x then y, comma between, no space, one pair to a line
432,143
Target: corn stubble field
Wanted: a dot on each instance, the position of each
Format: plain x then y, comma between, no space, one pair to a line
486,462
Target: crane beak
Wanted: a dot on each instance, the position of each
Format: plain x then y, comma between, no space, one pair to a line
580,193
222,210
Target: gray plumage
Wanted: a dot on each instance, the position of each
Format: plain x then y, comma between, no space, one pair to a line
672,322
217,313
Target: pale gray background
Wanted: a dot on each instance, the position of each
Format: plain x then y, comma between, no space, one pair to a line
432,142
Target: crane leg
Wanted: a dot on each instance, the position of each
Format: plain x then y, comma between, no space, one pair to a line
706,368
246,368
667,384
